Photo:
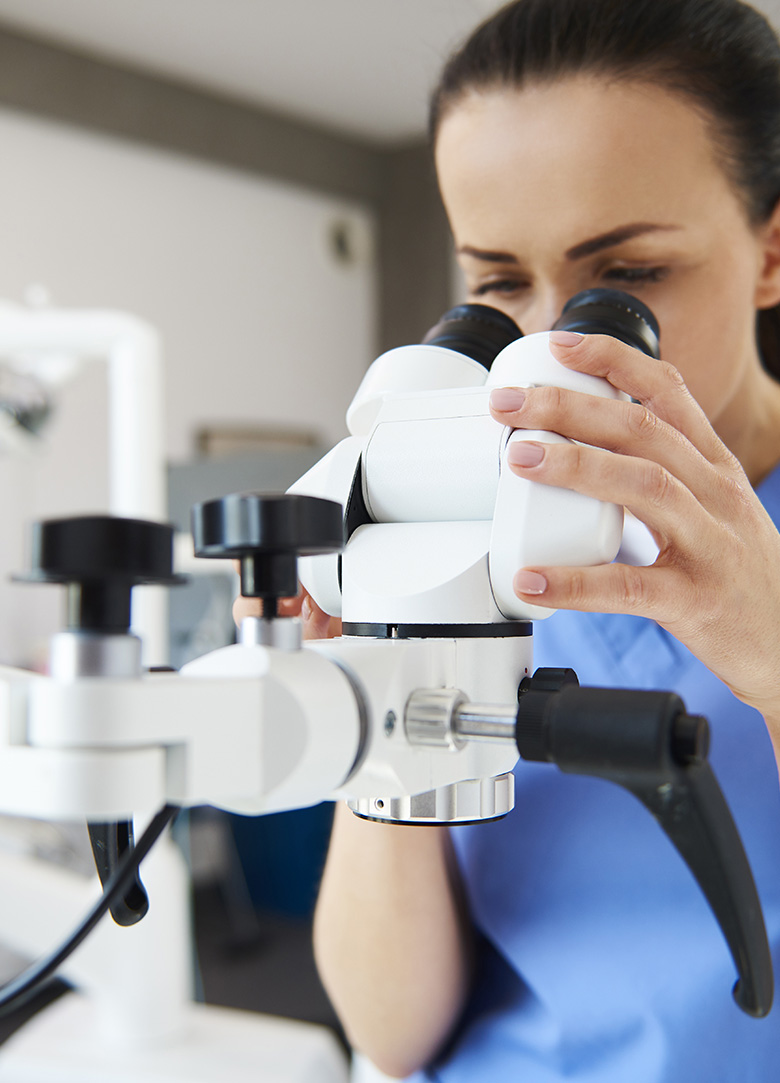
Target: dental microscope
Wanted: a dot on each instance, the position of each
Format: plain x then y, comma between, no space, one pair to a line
410,530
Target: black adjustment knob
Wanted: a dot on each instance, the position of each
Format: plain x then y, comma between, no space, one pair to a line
101,558
547,680
267,533
534,696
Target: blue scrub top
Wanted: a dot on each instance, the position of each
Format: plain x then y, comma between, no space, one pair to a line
599,958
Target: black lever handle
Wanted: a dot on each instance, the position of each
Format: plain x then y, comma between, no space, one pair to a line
645,742
109,843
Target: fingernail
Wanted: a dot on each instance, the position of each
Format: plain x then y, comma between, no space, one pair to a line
306,609
565,338
529,583
506,399
525,453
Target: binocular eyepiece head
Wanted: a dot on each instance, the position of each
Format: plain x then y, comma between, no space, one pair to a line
611,312
478,331
481,332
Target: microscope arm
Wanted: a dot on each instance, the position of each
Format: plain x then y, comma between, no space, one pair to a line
246,728
259,729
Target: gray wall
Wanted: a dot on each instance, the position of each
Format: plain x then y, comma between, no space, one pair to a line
396,183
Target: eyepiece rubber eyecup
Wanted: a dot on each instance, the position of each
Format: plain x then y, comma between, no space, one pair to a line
612,312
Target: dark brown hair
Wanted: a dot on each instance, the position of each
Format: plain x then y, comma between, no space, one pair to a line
721,54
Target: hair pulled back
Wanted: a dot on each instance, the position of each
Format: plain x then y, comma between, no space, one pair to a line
720,54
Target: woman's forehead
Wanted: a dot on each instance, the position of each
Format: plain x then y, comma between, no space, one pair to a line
582,147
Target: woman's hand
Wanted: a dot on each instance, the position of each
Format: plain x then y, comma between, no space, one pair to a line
316,623
715,584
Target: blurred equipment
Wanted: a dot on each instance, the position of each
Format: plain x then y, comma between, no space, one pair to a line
41,349
134,1016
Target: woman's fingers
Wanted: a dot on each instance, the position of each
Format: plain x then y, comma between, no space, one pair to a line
648,490
246,607
606,588
655,384
317,624
668,463
627,428
719,551
253,607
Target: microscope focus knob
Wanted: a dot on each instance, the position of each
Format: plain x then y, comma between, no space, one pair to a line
266,533
101,558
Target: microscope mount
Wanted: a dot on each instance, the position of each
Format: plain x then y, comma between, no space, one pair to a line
420,710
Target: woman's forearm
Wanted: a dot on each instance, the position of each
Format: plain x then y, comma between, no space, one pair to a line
392,939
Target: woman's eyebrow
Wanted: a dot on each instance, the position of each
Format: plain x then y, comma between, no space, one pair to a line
487,256
590,247
613,238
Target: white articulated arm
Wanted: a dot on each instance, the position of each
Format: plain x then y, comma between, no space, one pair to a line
248,728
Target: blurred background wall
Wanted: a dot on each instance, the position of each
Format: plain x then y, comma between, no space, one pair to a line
274,255
264,321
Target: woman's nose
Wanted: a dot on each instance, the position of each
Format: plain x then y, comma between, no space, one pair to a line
542,312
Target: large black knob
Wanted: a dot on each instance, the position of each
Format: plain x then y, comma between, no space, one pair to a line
101,558
267,533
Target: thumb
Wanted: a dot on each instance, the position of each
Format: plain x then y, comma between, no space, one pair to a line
317,624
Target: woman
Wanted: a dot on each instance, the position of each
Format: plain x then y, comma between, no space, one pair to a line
633,144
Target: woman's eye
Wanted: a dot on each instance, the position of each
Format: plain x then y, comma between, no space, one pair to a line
641,276
503,286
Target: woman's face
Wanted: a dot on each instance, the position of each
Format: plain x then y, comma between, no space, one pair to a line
585,182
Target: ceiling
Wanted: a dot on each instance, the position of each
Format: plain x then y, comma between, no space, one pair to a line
362,67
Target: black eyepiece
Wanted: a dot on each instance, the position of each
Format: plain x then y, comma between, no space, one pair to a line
611,312
478,331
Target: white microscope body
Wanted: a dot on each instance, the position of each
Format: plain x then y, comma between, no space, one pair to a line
446,524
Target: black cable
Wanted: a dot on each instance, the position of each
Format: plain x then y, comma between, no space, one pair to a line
19,990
